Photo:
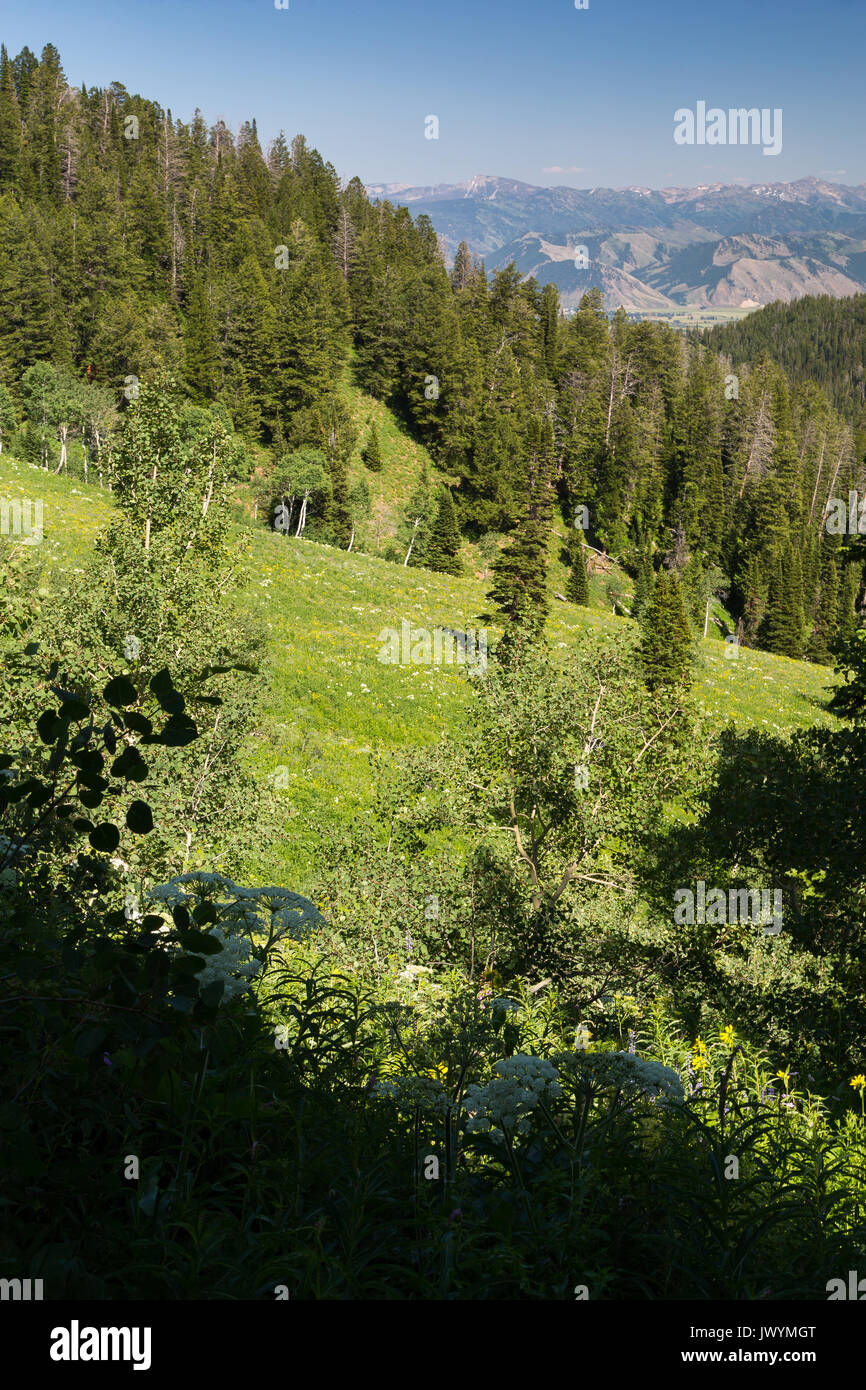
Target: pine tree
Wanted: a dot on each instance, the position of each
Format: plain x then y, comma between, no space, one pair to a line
822,637
372,452
461,273
846,620
666,641
643,587
8,415
782,628
578,581
10,127
201,351
519,587
443,546
549,314
250,347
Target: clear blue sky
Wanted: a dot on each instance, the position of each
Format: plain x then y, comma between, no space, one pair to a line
529,89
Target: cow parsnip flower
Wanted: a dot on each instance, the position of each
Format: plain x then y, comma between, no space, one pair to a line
510,1096
415,1093
623,1071
234,965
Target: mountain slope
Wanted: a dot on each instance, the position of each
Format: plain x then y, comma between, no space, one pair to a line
820,339
332,704
724,246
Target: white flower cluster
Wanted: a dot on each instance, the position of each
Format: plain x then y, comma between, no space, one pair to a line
506,1102
241,915
625,1071
242,909
234,965
410,1091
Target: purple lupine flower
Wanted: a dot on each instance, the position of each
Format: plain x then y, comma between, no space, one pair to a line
631,1039
408,943
107,1060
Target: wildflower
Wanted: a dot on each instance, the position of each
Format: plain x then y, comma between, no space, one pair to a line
624,1071
107,1060
726,1035
858,1082
234,965
507,1101
631,1040
699,1058
415,1093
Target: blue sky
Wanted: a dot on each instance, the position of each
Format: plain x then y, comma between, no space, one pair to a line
528,89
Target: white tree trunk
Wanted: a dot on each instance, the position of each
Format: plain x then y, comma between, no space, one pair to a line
412,542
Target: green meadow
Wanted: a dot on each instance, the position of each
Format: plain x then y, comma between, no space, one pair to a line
333,707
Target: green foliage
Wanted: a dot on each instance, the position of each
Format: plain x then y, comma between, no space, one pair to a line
849,698
372,454
490,976
443,545
666,642
578,583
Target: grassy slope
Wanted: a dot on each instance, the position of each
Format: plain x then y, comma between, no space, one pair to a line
332,704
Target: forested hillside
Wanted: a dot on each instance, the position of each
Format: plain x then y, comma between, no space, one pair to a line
135,243
817,338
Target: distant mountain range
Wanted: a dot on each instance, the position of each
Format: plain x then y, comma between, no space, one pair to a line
658,252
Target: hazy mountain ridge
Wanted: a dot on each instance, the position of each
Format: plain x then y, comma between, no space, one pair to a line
652,250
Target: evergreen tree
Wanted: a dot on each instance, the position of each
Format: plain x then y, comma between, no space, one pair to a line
443,546
461,274
250,333
666,640
643,587
578,580
782,628
201,351
823,634
846,619
8,415
372,453
10,128
519,587
549,315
